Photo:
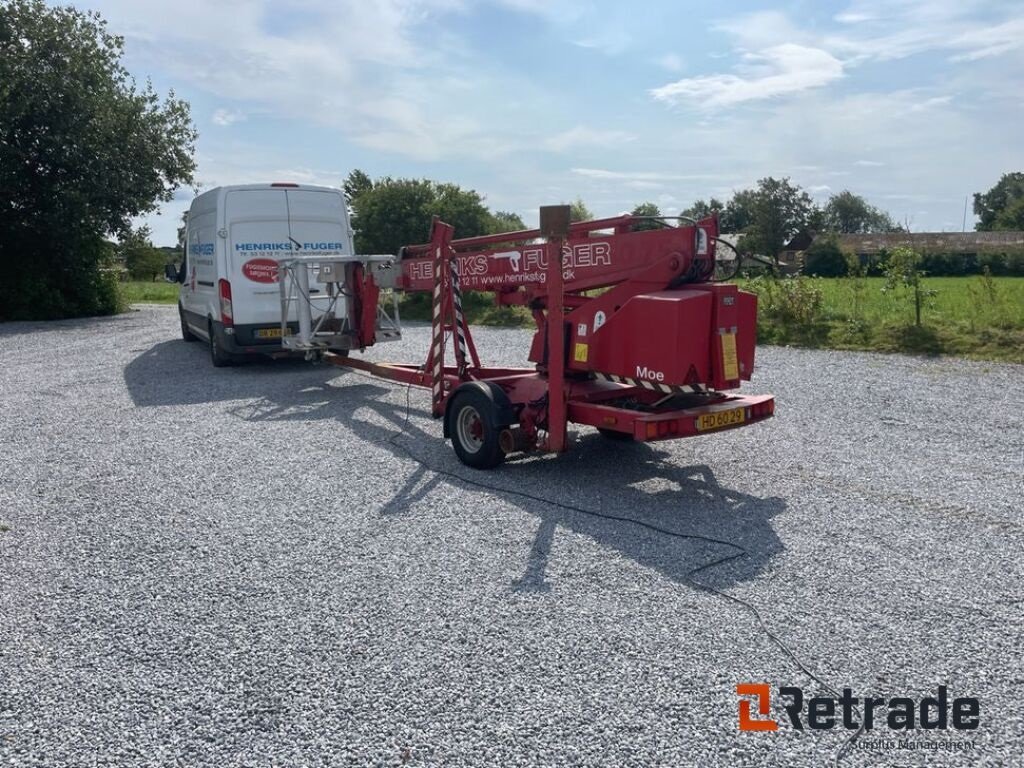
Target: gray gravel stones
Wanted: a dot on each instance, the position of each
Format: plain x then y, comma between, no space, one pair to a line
240,566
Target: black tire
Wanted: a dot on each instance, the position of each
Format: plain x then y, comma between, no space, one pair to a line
218,356
186,332
611,434
474,432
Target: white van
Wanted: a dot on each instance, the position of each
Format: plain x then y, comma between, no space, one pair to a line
234,240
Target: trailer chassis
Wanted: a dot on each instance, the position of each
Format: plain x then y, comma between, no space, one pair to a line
490,412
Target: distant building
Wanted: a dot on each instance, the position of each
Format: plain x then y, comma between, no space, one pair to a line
963,243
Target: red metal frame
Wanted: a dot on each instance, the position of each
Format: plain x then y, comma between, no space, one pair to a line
663,272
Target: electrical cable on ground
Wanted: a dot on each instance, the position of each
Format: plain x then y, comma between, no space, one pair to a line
688,578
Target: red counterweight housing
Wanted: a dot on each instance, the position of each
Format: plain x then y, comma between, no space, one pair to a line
700,335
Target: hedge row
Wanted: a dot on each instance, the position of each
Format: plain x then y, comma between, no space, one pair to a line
826,259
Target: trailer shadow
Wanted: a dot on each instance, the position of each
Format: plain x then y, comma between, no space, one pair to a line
644,483
639,482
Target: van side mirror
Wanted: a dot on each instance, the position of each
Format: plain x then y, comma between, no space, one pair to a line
171,273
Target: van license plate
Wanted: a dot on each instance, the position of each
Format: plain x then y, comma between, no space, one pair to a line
720,419
268,333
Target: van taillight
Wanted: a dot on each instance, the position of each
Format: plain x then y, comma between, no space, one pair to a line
227,316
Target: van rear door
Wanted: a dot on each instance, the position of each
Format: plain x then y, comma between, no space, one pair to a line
257,224
318,222
266,226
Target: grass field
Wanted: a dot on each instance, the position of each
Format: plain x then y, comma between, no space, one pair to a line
975,317
151,292
967,316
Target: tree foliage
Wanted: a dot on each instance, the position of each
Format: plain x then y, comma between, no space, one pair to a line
646,209
578,211
390,213
777,210
140,258
738,213
850,214
824,257
701,210
1002,207
505,221
83,150
355,184
904,277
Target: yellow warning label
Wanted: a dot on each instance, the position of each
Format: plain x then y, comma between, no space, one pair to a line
729,365
581,350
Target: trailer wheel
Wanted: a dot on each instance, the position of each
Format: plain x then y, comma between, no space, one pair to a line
186,332
218,356
611,434
474,431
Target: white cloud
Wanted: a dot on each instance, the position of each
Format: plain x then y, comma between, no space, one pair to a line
226,117
582,136
762,29
935,101
777,71
869,163
611,41
671,62
779,58
984,42
888,31
366,69
601,173
644,184
853,18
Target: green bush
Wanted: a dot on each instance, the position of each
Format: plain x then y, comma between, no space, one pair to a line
1002,264
62,280
795,300
950,264
824,258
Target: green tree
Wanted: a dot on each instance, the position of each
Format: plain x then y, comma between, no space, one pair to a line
579,211
464,209
824,257
851,214
646,209
738,214
1002,207
83,151
505,221
1012,216
396,212
355,184
140,258
779,210
183,230
702,210
904,276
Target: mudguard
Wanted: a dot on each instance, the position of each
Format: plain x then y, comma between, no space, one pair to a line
503,413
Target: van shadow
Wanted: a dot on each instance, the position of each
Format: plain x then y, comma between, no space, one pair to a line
636,481
176,373
641,482
26,327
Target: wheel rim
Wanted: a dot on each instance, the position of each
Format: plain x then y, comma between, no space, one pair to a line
470,429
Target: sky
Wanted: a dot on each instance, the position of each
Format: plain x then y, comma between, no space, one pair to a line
914,104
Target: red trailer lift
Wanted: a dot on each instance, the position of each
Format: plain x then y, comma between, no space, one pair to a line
632,338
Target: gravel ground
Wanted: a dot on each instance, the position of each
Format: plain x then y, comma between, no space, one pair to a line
245,566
